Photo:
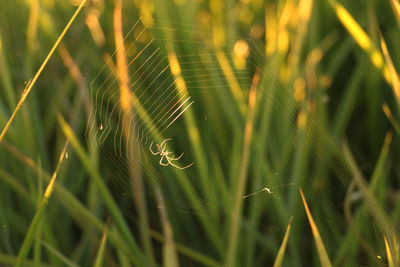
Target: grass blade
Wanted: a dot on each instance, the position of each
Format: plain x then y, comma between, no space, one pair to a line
108,199
394,76
100,253
33,81
135,172
361,37
389,254
396,9
26,245
281,252
169,248
236,215
389,116
59,255
323,255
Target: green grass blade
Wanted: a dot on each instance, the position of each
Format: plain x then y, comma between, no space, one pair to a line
108,199
169,248
11,260
281,252
236,214
323,255
100,253
59,255
26,245
361,37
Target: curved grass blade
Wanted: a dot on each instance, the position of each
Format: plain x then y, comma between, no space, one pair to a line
323,255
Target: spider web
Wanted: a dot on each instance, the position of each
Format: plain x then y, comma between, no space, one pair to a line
213,81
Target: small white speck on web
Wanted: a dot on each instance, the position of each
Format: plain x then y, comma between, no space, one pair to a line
266,189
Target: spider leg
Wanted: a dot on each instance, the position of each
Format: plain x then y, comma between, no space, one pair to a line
179,167
162,163
163,145
173,158
151,150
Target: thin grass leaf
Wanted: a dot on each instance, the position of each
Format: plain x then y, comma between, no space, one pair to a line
190,253
6,77
100,253
304,11
78,211
59,255
108,199
282,249
37,248
135,172
396,10
389,116
32,231
379,214
389,254
169,249
323,255
394,77
30,85
11,260
236,213
361,37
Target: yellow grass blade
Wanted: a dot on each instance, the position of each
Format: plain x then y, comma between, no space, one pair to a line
389,254
394,77
390,117
361,37
281,252
30,85
323,255
396,9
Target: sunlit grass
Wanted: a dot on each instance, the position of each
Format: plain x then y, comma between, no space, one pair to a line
301,93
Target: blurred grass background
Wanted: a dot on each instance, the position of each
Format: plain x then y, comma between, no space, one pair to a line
286,92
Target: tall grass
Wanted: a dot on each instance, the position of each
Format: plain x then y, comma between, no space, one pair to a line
285,95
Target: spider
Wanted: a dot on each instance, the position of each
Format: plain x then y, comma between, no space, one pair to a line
168,155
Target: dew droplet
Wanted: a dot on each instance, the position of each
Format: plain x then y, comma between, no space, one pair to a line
66,155
101,126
